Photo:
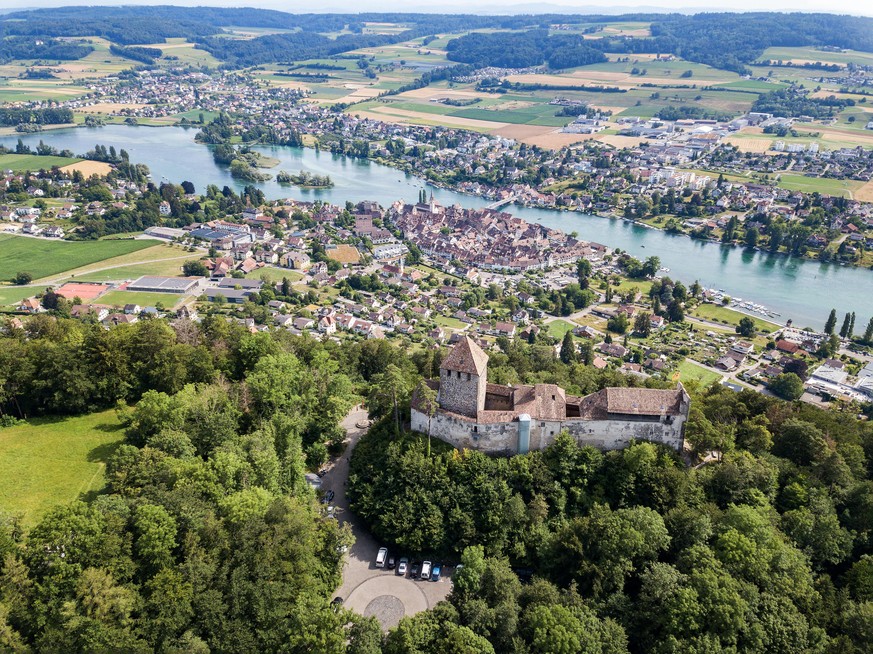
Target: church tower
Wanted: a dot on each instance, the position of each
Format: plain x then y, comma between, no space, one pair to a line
463,379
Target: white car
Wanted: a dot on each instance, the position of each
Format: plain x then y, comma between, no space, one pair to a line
402,566
425,570
381,557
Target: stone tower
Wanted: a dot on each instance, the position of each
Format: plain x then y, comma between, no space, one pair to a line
463,378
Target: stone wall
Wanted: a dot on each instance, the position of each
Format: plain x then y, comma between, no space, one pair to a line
502,438
461,392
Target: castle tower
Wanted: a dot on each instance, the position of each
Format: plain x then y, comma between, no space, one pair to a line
463,378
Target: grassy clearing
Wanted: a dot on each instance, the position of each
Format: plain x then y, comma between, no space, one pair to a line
42,258
718,313
51,461
120,298
689,371
21,163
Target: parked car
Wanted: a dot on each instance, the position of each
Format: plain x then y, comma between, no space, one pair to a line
402,566
413,571
381,556
436,572
331,511
336,602
425,570
392,561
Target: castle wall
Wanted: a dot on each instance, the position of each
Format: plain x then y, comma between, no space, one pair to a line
502,438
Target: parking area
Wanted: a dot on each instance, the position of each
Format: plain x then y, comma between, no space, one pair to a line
366,588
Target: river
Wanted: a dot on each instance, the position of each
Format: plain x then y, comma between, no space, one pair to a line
804,291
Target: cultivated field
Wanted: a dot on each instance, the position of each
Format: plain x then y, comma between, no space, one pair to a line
42,257
88,168
52,461
21,163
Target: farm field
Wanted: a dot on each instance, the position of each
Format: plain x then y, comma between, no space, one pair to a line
42,257
812,54
50,461
718,313
151,257
689,371
166,267
21,163
120,298
843,187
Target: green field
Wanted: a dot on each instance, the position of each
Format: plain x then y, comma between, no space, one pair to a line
51,461
275,274
718,313
842,187
167,268
11,295
41,257
120,298
558,328
21,163
689,371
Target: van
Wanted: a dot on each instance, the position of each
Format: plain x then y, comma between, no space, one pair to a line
425,570
381,556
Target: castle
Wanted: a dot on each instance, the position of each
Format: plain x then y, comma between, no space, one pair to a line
499,419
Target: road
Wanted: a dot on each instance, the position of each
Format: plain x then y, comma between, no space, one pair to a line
366,589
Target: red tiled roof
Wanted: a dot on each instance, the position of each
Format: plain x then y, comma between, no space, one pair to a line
466,356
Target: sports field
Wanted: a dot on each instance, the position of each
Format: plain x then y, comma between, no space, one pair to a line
42,257
120,298
51,461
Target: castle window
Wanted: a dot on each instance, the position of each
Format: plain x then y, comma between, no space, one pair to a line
468,376
459,374
475,429
553,398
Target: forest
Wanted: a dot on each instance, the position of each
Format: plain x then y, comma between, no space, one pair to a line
522,50
207,539
723,40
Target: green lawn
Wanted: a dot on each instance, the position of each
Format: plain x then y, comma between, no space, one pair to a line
718,313
15,294
448,321
167,268
275,274
21,163
691,371
557,328
120,298
42,257
51,461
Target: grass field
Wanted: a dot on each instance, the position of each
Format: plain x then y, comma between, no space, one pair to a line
275,274
718,313
47,462
11,295
841,187
557,328
21,163
167,268
689,371
120,298
41,257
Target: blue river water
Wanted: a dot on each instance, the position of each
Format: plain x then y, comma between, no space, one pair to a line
804,291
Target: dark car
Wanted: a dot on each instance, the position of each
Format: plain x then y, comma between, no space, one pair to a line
336,602
413,570
392,561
